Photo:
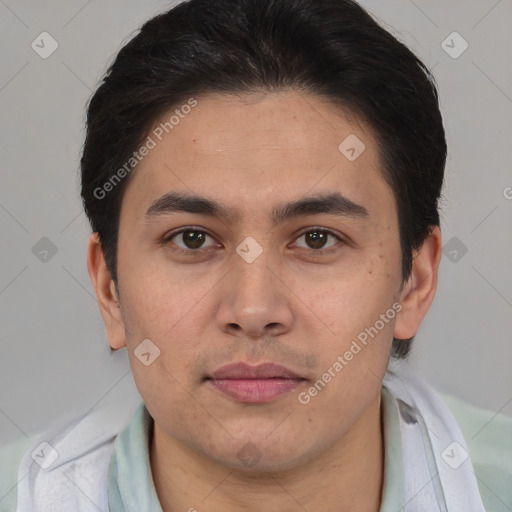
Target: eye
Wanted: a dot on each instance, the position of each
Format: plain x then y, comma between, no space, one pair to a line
317,239
191,240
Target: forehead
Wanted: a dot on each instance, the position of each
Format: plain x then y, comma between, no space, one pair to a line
255,149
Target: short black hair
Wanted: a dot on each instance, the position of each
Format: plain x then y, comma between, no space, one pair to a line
333,49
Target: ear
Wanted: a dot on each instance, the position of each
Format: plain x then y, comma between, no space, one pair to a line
420,289
108,301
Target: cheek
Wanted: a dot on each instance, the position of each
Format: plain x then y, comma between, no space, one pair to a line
356,299
165,385
360,319
170,317
170,403
158,298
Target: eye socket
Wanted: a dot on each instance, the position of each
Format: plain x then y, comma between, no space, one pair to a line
318,237
192,239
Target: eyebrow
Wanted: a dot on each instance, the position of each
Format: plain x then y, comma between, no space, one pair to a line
332,204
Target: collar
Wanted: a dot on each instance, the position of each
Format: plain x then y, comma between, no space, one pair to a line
130,481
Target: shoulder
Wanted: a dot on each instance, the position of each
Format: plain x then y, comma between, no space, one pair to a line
488,436
10,457
37,473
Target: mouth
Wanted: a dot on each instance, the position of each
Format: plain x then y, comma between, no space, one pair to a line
254,384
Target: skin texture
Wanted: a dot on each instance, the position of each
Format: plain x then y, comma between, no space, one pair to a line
291,307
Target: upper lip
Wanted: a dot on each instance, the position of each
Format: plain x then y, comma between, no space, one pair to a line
261,371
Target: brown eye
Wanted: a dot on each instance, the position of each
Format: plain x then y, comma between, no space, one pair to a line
189,239
316,240
193,239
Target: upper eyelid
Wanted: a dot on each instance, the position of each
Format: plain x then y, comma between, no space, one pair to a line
172,234
319,228
323,230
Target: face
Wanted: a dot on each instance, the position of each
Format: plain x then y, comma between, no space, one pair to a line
239,277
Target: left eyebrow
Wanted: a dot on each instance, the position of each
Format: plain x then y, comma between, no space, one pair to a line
332,204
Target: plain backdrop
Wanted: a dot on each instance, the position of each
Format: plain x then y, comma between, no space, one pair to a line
54,356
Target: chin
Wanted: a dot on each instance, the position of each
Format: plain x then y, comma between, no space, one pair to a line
262,456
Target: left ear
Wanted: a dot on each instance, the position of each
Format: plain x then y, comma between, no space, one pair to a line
420,289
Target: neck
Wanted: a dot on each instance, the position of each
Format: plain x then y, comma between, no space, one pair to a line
346,478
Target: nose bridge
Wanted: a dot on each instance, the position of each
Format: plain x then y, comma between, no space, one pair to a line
252,277
254,299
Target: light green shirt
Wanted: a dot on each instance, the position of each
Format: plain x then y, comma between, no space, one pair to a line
131,487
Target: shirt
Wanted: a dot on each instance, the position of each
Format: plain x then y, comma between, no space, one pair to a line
131,488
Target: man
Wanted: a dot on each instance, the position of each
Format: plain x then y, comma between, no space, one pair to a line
262,179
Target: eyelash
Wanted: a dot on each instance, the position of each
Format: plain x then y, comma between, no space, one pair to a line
310,252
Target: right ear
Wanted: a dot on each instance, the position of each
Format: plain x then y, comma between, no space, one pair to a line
104,286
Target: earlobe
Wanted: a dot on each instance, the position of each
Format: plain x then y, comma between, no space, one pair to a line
420,289
106,294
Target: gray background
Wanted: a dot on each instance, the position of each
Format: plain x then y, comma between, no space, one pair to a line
54,357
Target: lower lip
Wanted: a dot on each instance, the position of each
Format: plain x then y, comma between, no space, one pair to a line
255,391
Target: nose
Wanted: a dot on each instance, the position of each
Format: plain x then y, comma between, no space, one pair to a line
255,300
